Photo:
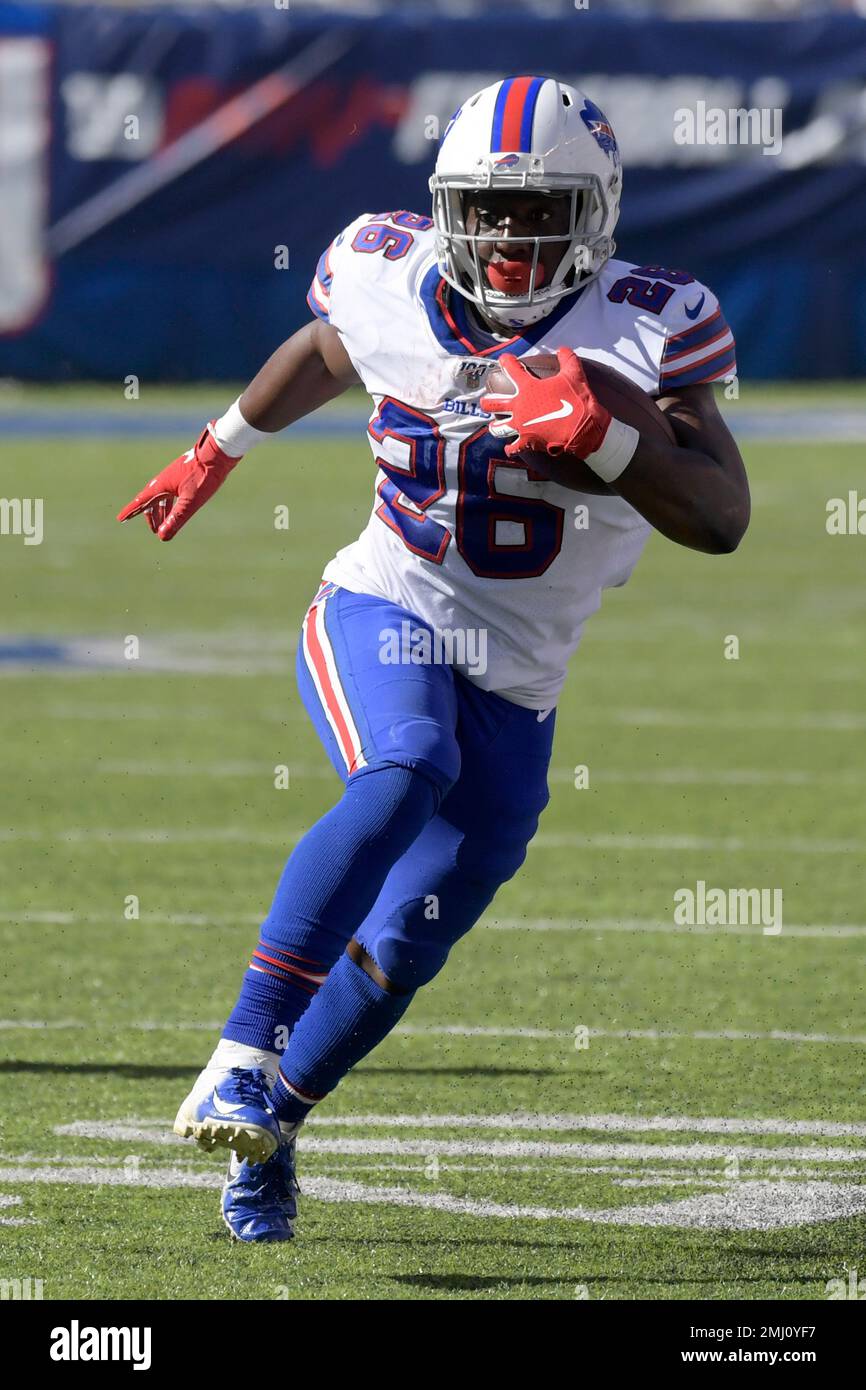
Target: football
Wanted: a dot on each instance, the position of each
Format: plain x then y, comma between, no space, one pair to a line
623,399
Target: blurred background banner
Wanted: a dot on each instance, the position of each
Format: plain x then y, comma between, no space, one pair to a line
169,178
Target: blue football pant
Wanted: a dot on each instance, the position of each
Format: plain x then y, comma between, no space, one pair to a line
444,784
486,757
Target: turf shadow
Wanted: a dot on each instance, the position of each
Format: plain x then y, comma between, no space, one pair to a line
135,1070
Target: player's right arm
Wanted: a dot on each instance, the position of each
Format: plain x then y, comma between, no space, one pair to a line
306,371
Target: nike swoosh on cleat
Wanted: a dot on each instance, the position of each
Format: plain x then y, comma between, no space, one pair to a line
222,1107
693,313
567,409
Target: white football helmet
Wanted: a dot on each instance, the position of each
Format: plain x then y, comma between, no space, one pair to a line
531,134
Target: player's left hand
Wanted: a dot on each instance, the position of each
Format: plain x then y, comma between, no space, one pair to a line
555,414
175,494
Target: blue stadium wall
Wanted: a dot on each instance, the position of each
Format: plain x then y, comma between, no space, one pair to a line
183,284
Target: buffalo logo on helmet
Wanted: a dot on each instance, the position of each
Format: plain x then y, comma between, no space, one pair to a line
506,161
450,124
600,129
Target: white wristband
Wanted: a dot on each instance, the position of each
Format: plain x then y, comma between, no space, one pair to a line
234,435
616,452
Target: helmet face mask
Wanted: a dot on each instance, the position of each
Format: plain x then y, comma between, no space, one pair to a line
569,156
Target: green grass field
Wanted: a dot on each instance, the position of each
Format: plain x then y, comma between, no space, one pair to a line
154,779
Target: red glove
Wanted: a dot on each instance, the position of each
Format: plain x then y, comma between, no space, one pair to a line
555,414
171,498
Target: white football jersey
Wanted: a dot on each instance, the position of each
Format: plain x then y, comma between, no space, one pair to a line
460,535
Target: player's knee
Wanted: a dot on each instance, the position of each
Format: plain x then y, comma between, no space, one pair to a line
410,964
424,747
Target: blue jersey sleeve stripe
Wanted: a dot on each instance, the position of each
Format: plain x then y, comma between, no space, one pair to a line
691,338
722,363
318,309
323,270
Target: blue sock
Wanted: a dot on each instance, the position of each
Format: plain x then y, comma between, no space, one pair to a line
327,889
348,1017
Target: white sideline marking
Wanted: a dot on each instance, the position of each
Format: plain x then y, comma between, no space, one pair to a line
15,1025
84,835
114,711
829,930
826,930
677,776
461,1030
751,1205
7,1199
241,768
748,1206
830,720
558,1123
495,1148
456,1030
528,1148
699,1173
712,843
173,919
703,776
93,1174
665,1176
635,1124
132,1131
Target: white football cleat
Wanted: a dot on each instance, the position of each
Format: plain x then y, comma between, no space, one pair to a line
231,1109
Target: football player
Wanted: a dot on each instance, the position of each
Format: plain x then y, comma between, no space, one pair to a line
445,761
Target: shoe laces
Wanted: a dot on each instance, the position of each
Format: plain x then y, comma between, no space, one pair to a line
252,1086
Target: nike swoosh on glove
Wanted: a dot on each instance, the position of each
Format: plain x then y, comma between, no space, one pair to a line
556,414
175,494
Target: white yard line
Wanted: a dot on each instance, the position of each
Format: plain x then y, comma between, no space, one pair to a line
59,917
826,930
633,1124
529,1148
706,776
97,1026
831,721
560,1123
351,1166
453,1030
86,835
745,1205
463,1030
9,1199
676,776
726,844
116,711
122,1132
